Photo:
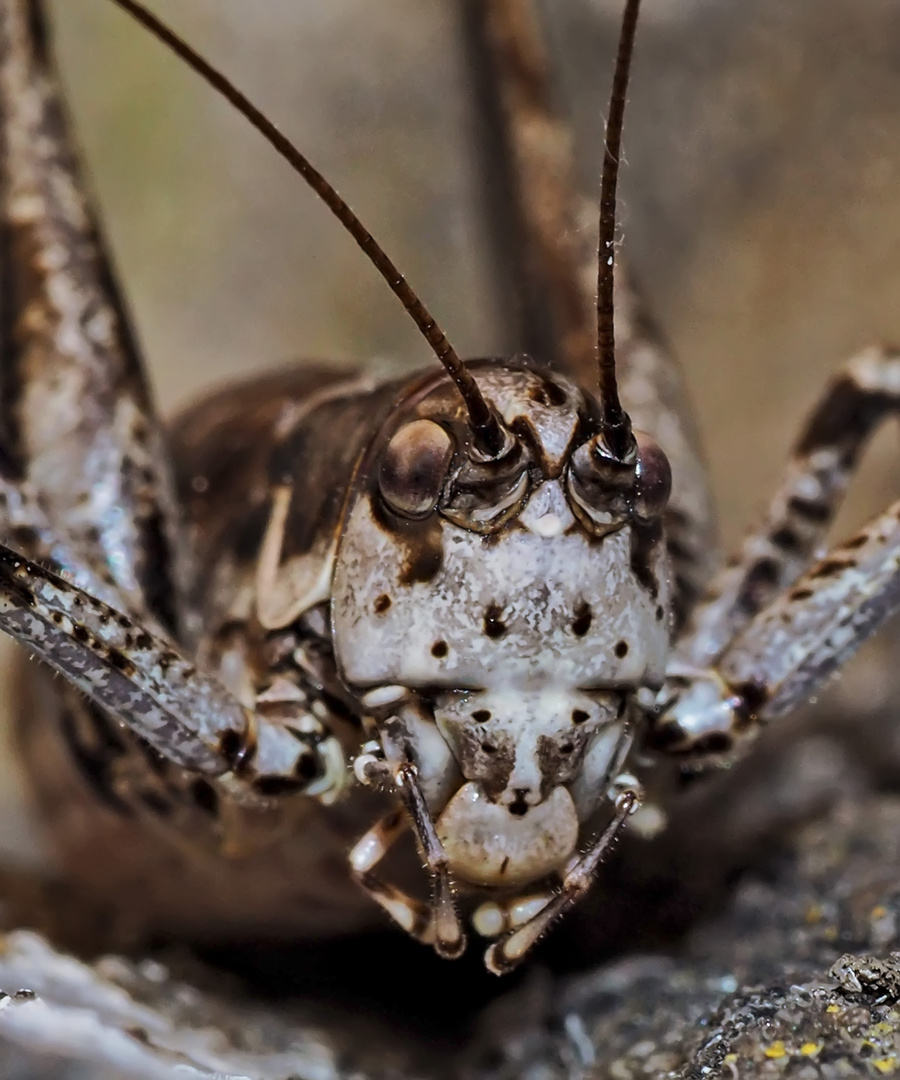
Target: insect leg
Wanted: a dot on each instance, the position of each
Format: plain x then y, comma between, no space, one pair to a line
825,456
139,677
788,650
412,915
506,953
550,244
449,939
447,933
75,412
435,924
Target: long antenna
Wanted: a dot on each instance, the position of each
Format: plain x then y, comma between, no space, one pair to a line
485,425
615,423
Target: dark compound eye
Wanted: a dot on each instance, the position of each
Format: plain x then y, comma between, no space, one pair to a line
414,468
652,478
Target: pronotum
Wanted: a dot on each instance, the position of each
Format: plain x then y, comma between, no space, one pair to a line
332,648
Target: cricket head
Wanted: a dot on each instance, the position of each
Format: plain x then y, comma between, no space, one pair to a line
524,598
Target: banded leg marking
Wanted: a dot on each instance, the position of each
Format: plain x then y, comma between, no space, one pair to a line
139,677
410,914
510,950
773,556
444,929
789,649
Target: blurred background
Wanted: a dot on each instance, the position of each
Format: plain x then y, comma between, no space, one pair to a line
761,198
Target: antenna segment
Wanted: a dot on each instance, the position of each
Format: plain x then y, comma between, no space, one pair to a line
488,431
616,427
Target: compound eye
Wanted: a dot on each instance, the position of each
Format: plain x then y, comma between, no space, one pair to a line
652,478
414,468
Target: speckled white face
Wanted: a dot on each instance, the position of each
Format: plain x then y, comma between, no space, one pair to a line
525,604
543,600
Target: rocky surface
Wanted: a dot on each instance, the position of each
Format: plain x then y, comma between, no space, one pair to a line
796,977
762,212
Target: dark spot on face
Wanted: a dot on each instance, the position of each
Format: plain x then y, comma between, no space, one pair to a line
439,649
424,565
659,613
800,594
205,796
124,622
143,641
494,626
621,649
519,806
856,542
421,542
56,616
579,716
583,619
566,748
80,633
488,748
167,659
644,540
382,603
481,716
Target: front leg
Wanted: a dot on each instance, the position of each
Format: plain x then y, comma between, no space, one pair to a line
540,912
147,684
865,391
787,651
441,925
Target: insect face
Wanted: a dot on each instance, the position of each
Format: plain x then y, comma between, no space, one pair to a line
520,574
521,599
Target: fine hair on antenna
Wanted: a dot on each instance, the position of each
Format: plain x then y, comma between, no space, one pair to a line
490,436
